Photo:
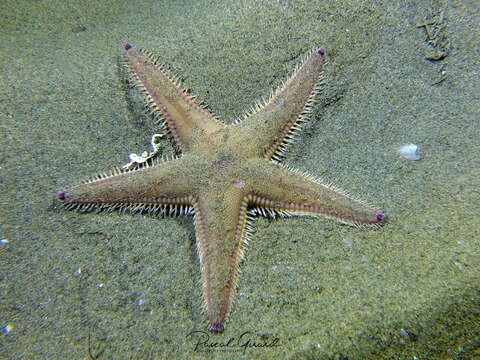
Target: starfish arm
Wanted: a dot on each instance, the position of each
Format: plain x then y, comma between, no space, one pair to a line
222,230
271,126
167,100
295,193
155,188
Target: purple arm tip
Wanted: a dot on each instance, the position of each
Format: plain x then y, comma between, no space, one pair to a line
61,196
127,47
381,217
216,327
321,51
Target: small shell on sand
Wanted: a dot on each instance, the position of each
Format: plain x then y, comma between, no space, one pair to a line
409,151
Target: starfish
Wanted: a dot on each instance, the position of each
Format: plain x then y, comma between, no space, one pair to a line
225,174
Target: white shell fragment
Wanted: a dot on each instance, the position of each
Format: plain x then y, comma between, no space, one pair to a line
409,151
136,160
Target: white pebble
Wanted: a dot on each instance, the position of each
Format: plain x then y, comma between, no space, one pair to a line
409,151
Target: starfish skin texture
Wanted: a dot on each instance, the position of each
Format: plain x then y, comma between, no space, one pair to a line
225,175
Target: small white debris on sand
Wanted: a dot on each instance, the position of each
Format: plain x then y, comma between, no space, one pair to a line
409,151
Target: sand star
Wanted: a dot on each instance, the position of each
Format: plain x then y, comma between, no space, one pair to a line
225,175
